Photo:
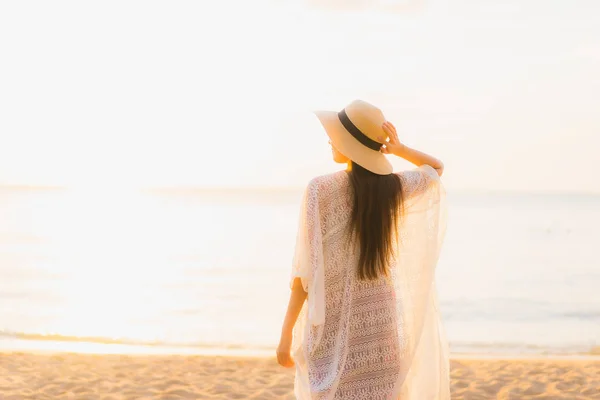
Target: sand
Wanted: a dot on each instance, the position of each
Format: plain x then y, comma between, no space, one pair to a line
84,376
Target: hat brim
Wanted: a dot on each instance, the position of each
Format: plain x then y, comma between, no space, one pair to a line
373,160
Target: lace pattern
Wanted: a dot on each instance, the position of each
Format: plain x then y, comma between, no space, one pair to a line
369,340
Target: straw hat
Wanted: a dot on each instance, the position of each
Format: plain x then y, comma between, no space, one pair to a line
354,132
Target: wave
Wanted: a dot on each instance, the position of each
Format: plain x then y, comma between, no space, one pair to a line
55,337
456,347
498,348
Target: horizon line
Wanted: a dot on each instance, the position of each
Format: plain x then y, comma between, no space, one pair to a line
265,188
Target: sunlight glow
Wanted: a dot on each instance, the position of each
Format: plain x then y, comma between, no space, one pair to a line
197,95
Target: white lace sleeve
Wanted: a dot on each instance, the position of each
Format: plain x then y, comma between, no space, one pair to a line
417,185
424,372
308,257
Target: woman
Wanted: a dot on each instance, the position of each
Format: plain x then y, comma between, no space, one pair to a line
367,246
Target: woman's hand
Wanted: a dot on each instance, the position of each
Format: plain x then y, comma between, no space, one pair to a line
284,357
393,146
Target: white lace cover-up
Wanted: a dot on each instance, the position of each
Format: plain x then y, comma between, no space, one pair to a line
375,340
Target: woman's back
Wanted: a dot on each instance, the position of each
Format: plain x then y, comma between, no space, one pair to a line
362,320
356,339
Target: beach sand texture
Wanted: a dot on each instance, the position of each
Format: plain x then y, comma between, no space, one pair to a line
86,376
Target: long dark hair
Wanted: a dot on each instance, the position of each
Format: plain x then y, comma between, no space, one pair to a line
376,211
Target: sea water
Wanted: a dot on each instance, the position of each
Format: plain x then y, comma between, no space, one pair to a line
205,269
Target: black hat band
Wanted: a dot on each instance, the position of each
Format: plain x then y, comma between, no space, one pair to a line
358,135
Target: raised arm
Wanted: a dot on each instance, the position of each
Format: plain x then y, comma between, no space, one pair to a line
394,146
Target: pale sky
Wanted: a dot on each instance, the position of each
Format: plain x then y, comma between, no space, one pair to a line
148,93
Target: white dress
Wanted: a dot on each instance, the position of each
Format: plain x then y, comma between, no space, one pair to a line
376,340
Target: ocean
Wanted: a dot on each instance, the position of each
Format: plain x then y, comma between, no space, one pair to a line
197,270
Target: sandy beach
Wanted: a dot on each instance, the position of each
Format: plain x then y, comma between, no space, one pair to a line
108,377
